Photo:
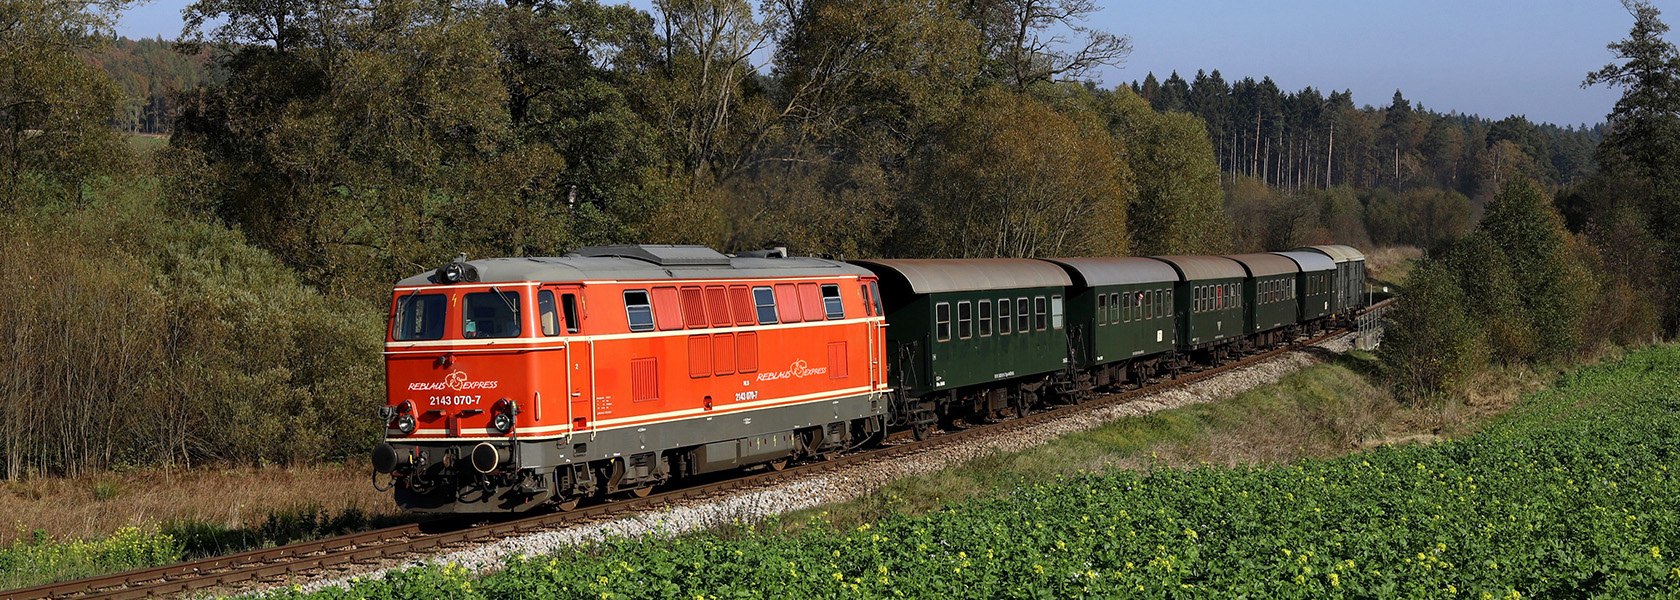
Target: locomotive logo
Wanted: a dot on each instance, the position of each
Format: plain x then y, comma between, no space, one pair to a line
455,381
798,370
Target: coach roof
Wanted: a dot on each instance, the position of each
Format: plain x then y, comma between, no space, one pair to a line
1263,265
1123,270
1197,268
1309,261
1336,252
936,275
645,262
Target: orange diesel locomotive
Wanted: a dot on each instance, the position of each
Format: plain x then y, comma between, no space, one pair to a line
518,382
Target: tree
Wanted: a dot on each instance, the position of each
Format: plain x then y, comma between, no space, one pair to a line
1430,345
1042,40
55,108
1019,179
1555,288
1643,142
1178,207
1493,296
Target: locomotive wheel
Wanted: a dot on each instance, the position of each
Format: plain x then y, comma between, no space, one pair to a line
569,505
921,431
778,465
641,492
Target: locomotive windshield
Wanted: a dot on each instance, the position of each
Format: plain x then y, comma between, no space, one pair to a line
491,315
419,317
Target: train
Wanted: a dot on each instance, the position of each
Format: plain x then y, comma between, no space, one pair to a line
544,382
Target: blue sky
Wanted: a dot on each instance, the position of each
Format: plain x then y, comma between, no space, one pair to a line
1487,57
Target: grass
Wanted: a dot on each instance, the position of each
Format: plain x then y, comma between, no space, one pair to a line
1323,410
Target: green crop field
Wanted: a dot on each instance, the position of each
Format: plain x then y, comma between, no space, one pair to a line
1570,494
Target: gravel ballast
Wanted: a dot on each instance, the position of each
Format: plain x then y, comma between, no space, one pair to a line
847,483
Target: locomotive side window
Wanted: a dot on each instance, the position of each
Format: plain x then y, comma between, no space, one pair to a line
764,301
546,313
420,317
492,314
639,310
965,320
1056,312
569,310
942,321
875,298
1041,314
831,302
1023,315
868,306
1003,316
985,318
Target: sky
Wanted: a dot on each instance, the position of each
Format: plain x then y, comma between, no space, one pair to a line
1492,58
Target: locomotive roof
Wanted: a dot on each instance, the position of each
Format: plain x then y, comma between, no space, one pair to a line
644,262
1310,261
1120,270
1264,264
936,275
1195,268
1336,252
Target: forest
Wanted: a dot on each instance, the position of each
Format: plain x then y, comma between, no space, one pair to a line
219,297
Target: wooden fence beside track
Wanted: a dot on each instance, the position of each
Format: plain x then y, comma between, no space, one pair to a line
370,547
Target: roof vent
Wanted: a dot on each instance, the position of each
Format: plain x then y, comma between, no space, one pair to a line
662,255
771,252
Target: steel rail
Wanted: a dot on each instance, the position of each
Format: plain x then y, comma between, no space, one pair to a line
394,542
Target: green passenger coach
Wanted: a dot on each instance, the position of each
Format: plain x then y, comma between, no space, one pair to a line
1121,323
984,334
1268,297
1209,302
1315,284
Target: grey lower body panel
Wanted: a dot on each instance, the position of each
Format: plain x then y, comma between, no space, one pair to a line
721,441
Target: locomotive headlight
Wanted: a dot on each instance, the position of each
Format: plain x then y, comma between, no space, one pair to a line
405,423
505,410
503,422
453,273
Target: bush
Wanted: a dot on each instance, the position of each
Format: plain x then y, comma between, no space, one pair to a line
39,560
1430,344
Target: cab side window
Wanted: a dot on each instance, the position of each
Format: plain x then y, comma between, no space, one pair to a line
547,313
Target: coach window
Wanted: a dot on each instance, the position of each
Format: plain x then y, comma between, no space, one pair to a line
547,314
1003,316
1041,314
764,301
569,310
1102,309
1023,316
831,302
942,321
640,311
1056,312
420,317
492,314
1114,308
965,320
985,318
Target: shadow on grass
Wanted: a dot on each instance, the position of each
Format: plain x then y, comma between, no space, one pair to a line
199,539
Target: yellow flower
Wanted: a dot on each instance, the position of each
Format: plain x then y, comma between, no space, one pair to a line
1335,580
1038,568
1655,553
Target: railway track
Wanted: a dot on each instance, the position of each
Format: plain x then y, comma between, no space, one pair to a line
237,570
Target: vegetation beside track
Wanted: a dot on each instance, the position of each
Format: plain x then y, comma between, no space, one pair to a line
1566,495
